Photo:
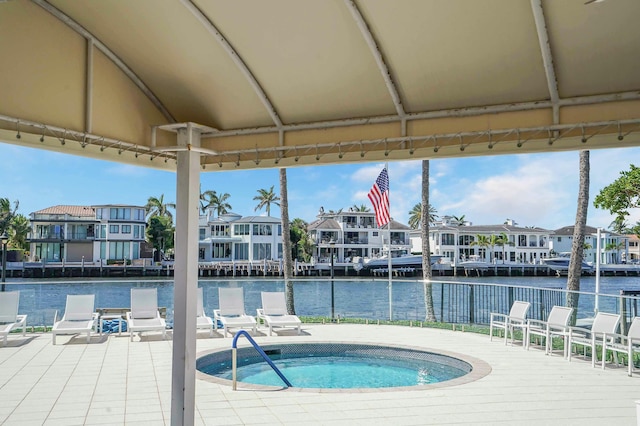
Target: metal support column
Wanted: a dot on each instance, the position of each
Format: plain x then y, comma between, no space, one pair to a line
185,279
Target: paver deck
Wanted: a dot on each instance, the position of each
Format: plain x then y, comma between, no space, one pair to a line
115,381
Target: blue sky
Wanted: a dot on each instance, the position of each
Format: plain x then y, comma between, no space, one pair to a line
533,189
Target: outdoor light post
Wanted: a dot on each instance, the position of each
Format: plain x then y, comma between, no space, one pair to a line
4,240
332,244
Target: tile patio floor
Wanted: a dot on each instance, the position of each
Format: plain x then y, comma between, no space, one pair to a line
114,381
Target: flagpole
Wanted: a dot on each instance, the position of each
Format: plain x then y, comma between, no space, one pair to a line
390,285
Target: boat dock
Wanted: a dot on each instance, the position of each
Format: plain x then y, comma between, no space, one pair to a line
274,268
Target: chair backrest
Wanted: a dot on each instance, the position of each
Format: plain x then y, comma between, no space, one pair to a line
519,309
231,301
634,329
144,303
273,303
560,315
200,307
605,323
79,307
9,301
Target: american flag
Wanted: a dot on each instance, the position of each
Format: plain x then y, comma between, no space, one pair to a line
379,196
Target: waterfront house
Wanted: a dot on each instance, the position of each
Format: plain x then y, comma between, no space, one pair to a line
87,233
232,237
459,242
351,233
634,248
614,247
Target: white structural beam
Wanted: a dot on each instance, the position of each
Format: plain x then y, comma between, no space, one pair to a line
108,53
88,112
236,58
377,55
183,377
547,57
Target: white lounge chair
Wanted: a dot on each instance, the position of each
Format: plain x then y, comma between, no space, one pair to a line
603,325
144,314
619,343
557,324
9,318
274,312
79,317
203,321
231,313
508,323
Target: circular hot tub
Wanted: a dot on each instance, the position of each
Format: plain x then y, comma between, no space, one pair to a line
343,366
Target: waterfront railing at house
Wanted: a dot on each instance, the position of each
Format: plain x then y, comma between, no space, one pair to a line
459,303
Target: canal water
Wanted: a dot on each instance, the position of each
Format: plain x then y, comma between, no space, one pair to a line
353,298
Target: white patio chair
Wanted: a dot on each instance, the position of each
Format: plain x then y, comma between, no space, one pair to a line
144,314
274,312
603,325
231,313
508,323
9,318
203,321
79,317
619,343
557,324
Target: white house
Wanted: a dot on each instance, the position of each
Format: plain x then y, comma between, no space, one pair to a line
351,233
233,237
614,247
459,242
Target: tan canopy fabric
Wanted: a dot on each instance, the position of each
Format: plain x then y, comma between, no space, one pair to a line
287,82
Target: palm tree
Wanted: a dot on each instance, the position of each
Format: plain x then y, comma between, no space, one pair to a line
220,204
481,241
206,199
459,219
360,208
6,214
157,207
425,218
577,247
266,198
415,216
18,231
502,241
617,247
286,242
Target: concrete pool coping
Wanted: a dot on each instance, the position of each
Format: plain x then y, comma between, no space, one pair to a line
479,369
115,381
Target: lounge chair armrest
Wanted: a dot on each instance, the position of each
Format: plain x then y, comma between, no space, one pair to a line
260,313
579,331
495,315
606,336
55,317
216,313
537,323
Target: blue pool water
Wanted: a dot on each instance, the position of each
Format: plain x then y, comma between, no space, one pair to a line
337,366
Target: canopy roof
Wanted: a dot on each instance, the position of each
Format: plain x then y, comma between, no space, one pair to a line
284,82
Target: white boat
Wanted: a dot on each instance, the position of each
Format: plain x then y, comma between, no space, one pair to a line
403,260
474,262
560,264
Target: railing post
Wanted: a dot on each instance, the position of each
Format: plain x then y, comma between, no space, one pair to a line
471,303
623,314
234,367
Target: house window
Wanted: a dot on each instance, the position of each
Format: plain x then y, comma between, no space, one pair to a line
119,250
448,240
260,229
202,233
114,229
201,253
261,251
241,229
241,251
220,230
522,240
221,250
126,229
120,213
